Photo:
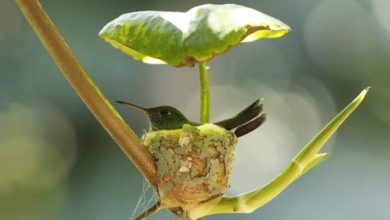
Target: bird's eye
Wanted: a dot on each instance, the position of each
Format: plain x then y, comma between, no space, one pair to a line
165,112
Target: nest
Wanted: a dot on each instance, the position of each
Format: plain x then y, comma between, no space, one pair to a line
193,163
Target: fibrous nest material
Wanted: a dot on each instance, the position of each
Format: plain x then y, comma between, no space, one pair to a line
193,163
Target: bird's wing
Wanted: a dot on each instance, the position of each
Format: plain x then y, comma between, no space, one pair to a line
250,126
248,114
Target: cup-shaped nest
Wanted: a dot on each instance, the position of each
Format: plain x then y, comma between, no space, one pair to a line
193,163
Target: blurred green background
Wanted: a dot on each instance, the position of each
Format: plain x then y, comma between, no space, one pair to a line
56,161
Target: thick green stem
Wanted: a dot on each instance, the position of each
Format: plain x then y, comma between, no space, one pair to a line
305,160
204,93
84,86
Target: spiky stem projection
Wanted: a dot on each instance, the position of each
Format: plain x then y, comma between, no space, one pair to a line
305,160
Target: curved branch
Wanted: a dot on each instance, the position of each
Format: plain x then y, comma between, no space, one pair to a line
93,98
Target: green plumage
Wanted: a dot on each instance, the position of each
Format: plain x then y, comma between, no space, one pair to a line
169,118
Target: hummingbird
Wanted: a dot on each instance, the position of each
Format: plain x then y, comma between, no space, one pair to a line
169,118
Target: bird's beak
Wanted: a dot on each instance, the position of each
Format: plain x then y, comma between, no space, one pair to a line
144,110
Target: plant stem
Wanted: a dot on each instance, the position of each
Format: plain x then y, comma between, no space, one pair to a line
204,93
150,211
305,160
93,98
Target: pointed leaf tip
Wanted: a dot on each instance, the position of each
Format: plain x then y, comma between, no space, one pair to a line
186,38
315,145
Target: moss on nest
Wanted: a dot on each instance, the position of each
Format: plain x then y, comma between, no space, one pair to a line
193,163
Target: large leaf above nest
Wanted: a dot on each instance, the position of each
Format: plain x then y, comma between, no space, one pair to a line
186,38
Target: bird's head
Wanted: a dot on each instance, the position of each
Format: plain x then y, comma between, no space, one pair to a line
161,117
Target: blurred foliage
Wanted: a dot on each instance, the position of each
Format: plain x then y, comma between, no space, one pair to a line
56,162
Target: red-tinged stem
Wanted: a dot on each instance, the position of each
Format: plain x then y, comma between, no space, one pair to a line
93,98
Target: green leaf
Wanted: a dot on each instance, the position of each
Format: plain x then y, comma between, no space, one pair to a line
186,38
